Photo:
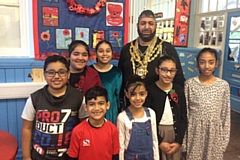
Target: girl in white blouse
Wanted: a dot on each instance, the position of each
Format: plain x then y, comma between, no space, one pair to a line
137,125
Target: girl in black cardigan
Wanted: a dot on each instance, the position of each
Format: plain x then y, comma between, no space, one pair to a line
168,101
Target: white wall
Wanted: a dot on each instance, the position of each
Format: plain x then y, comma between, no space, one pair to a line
136,7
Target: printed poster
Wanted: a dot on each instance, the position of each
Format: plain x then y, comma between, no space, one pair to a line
116,38
63,38
82,33
97,36
181,23
50,16
114,14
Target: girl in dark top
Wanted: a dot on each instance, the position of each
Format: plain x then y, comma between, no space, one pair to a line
82,76
168,101
111,77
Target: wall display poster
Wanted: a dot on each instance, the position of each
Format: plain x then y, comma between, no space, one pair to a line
114,14
56,25
181,23
82,33
97,36
50,16
63,38
188,63
116,38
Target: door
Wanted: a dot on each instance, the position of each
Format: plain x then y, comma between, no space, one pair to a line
231,67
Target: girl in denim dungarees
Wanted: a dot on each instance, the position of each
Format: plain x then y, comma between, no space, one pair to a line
137,125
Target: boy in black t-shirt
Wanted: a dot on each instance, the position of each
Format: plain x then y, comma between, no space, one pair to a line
51,113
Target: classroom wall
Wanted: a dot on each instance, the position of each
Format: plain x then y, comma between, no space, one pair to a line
16,71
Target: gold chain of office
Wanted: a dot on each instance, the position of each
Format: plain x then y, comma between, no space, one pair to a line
150,54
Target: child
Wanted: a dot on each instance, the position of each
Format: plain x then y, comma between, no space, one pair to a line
82,76
168,101
106,70
95,138
51,113
208,106
137,125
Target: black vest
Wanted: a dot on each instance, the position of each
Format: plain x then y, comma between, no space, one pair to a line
55,119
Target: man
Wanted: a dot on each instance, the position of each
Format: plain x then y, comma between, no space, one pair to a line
140,56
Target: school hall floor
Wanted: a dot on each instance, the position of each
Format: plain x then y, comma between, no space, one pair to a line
233,149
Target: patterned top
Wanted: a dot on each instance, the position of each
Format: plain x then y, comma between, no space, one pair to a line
208,111
53,119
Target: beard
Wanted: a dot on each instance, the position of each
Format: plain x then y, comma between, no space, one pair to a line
144,37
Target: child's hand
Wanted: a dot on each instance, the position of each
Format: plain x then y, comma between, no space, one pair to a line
165,147
173,148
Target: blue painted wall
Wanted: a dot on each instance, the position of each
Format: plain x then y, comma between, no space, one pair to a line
17,70
188,61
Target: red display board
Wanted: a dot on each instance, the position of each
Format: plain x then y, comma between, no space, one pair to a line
181,23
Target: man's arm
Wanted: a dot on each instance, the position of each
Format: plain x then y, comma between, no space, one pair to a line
121,66
26,139
120,61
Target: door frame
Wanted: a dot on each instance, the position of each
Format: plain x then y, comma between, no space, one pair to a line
230,73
